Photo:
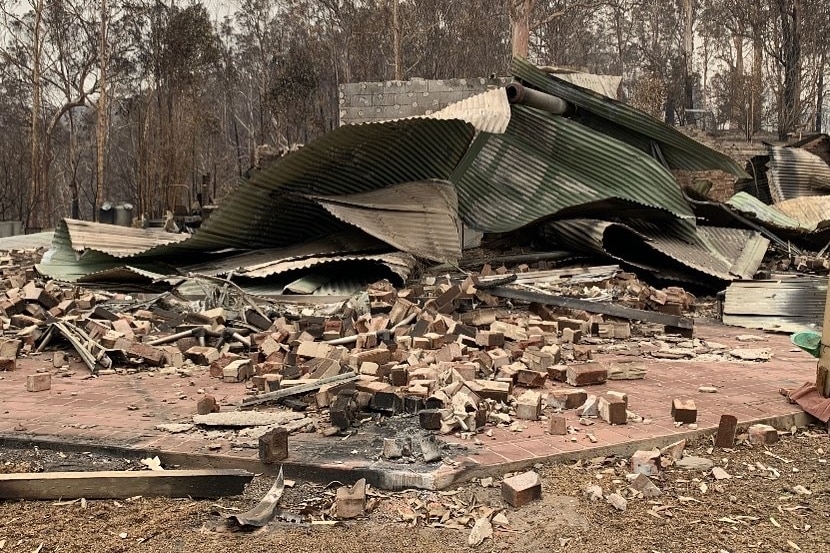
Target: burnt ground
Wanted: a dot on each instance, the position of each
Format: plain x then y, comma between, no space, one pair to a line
777,499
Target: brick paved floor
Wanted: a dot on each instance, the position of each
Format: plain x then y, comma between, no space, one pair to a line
123,411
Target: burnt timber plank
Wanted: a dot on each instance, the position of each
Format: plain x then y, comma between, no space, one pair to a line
594,307
124,484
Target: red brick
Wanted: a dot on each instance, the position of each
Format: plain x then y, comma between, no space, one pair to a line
38,382
762,434
7,364
612,409
273,446
521,489
558,425
727,429
568,399
207,405
587,375
684,410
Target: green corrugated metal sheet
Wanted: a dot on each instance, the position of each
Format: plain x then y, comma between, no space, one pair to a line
270,211
627,123
766,215
545,165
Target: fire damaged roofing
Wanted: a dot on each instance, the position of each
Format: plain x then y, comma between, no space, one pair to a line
382,194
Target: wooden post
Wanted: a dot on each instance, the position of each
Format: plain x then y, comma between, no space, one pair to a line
823,370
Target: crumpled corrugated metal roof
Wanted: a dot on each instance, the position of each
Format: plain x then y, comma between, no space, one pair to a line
270,210
794,173
546,165
723,253
416,217
768,215
398,262
487,112
607,85
351,241
627,123
115,240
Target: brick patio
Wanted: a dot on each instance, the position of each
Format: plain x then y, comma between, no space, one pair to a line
119,413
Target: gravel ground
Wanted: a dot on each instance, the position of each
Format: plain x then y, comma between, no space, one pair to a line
777,500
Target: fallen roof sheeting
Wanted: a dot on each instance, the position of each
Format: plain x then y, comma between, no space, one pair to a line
627,123
789,304
795,173
420,218
487,112
723,253
811,212
545,165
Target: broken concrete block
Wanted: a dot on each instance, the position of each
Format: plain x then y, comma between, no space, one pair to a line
38,382
587,374
727,430
273,445
529,406
762,434
684,410
646,462
558,425
207,405
612,409
521,489
350,502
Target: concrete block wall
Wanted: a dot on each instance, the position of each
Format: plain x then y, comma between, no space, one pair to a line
381,101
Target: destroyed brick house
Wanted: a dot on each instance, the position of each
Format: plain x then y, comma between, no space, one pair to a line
333,280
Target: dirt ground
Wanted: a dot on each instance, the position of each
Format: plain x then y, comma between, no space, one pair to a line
777,499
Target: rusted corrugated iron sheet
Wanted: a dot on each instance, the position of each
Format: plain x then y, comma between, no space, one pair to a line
767,215
628,124
545,165
420,218
399,263
785,304
795,173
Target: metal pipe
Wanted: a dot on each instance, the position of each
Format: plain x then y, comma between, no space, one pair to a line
519,94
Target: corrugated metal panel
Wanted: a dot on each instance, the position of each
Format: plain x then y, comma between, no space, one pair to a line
399,263
628,124
487,112
767,215
786,304
26,241
810,211
723,253
418,217
270,211
129,273
607,85
546,165
115,240
350,241
795,173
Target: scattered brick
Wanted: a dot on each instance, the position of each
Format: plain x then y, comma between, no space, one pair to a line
586,375
684,410
521,489
727,430
762,434
273,446
39,382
